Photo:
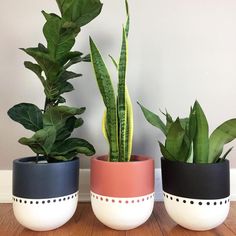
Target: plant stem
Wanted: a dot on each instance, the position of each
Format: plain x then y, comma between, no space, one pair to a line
47,104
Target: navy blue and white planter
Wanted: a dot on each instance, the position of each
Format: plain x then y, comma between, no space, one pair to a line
45,195
196,196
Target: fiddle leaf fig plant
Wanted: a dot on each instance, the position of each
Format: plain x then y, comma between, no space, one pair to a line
54,123
188,139
117,123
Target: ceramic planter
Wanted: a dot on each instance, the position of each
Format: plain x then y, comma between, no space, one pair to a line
196,196
122,193
45,195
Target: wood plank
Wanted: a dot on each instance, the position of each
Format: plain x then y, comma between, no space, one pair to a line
231,220
8,224
4,209
170,228
84,223
80,224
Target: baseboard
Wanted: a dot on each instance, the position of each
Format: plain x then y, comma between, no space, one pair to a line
5,186
84,196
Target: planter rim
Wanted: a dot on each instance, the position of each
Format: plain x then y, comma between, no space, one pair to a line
195,164
135,160
30,161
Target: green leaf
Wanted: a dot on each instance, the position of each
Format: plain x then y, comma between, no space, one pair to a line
86,58
169,120
79,11
102,76
184,123
222,135
66,75
201,140
27,114
59,41
65,131
64,5
122,109
42,141
77,59
70,124
130,126
192,124
42,48
61,100
185,149
108,95
186,146
165,153
52,91
174,139
114,62
67,157
128,19
50,67
67,87
71,56
58,115
36,69
153,119
104,125
76,145
79,122
190,158
226,154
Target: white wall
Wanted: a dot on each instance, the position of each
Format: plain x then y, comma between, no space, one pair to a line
179,50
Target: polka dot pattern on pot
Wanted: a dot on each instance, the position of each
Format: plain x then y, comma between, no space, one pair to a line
196,213
199,202
129,200
18,200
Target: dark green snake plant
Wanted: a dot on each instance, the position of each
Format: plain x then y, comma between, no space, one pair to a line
117,122
188,140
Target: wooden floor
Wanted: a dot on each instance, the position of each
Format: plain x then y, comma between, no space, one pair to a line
84,223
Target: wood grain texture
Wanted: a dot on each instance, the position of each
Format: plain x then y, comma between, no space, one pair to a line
170,228
84,223
231,220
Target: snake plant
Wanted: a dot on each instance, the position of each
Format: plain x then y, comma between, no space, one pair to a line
188,139
54,123
117,122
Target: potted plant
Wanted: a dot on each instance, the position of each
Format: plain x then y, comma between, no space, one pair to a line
195,172
122,185
45,186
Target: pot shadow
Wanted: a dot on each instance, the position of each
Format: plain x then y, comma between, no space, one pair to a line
179,230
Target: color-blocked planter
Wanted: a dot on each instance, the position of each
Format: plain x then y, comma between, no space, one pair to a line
122,193
196,196
45,195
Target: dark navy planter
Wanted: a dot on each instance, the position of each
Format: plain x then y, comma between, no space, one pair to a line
196,196
45,195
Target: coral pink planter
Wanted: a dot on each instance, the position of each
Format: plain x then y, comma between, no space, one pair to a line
122,193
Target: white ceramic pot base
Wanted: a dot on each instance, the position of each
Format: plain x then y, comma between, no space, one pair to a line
196,214
44,214
122,213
